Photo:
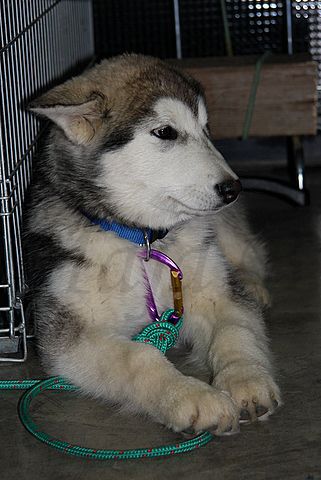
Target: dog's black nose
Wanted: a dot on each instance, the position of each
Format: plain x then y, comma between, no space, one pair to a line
229,190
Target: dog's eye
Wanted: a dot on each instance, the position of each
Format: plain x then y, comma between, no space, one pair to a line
165,133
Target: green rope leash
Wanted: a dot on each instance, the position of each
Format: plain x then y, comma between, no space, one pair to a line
252,97
163,335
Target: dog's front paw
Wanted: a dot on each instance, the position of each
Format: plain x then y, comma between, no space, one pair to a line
194,405
252,388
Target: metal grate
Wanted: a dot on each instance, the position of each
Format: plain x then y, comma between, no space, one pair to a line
255,26
144,26
41,40
307,33
149,27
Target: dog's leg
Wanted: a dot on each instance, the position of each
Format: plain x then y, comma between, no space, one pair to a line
244,251
140,378
241,361
237,351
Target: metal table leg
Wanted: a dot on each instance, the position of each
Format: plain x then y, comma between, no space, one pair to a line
294,190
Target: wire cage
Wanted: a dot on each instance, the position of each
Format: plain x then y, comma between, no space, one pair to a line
41,40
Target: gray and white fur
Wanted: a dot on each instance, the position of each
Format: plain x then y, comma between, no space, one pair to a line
106,156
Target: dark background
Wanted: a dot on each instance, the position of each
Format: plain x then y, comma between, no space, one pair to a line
148,26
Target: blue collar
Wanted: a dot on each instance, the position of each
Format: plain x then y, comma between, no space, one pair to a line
133,234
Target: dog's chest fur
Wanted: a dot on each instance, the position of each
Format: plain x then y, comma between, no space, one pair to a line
106,291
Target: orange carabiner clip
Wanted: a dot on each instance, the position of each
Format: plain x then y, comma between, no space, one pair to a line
177,292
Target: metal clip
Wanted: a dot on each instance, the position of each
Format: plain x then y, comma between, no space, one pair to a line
177,292
147,245
176,281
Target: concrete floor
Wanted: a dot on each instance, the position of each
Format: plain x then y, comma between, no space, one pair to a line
286,447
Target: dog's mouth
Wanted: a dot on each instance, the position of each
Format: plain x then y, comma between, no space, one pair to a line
206,200
200,210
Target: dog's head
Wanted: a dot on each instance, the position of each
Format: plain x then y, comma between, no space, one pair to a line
131,141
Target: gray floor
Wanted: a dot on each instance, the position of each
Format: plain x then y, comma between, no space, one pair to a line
288,446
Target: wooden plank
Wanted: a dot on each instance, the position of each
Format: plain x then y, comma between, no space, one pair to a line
286,100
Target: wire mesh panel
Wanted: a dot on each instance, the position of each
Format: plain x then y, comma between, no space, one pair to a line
255,26
41,40
149,27
307,33
144,26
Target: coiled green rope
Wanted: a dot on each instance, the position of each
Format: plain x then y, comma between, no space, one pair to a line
163,335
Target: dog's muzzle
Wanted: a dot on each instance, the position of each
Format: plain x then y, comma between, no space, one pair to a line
229,191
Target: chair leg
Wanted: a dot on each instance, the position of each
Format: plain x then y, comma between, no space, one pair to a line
294,190
296,161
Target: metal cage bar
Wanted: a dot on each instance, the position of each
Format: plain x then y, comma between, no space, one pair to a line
41,40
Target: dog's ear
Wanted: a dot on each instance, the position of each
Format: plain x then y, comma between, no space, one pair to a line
80,120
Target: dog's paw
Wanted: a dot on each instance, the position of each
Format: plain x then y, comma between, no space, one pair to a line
194,406
254,391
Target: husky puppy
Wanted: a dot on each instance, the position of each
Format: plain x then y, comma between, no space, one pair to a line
129,143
